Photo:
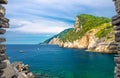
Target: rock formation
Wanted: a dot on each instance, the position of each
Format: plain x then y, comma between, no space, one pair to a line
92,40
116,24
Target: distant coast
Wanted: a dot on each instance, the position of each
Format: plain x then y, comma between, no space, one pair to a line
90,32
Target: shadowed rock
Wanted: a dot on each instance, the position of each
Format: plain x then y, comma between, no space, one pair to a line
1,73
118,48
115,17
2,49
117,60
3,57
113,47
3,1
117,5
4,19
116,22
3,65
2,40
117,34
2,31
15,76
117,39
4,25
116,27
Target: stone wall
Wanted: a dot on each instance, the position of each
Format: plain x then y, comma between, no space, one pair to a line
3,24
116,24
8,70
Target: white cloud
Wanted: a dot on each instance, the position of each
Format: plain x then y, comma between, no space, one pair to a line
38,26
59,8
52,15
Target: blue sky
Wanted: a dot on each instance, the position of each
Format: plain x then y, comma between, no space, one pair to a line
33,21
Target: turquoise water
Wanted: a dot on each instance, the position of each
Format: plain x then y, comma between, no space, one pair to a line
54,62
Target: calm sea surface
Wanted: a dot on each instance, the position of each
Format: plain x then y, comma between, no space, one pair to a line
55,62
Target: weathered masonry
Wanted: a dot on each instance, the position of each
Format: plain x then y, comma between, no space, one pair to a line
6,71
116,24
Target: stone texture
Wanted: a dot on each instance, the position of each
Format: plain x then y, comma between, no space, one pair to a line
3,1
4,25
89,42
2,40
2,31
117,5
2,11
3,57
117,28
116,24
3,65
6,69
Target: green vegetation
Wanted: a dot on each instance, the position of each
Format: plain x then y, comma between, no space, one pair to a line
87,22
104,32
60,35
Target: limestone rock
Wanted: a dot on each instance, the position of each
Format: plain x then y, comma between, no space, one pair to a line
89,42
55,41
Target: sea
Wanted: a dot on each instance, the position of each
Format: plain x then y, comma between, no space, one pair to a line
52,61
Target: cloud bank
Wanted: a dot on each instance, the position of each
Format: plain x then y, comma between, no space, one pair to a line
38,26
52,16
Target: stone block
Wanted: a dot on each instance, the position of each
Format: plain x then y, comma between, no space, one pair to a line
117,28
2,19
3,65
3,57
117,60
2,40
117,39
4,25
3,1
2,31
117,6
2,11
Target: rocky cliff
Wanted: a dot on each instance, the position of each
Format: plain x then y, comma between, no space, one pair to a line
90,32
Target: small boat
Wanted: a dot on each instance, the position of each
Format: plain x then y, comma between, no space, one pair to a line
21,51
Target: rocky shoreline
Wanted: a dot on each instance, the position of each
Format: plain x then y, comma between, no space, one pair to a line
94,47
88,41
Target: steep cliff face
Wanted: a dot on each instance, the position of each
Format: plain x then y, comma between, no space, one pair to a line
89,32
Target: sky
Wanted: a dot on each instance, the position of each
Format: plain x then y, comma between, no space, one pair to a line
33,21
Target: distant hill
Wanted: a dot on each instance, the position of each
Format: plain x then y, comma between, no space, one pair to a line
89,32
60,35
